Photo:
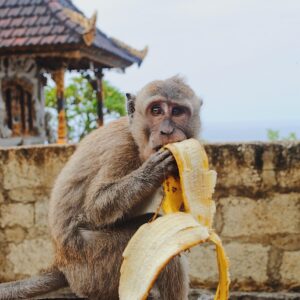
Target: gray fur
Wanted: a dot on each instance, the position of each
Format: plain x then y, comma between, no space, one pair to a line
34,286
92,211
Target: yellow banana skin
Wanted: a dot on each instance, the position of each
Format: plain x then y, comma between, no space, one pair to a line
189,210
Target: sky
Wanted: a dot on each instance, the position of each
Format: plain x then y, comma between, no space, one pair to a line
241,56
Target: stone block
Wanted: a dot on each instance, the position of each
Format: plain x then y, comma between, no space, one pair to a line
289,242
17,214
41,213
248,217
28,194
289,179
15,234
22,174
290,268
29,257
203,265
31,167
237,166
248,262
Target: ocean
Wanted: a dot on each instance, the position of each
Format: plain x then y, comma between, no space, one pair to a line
247,131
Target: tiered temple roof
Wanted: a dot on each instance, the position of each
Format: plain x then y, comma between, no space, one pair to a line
53,28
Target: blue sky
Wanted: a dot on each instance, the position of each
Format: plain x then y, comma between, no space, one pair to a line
241,56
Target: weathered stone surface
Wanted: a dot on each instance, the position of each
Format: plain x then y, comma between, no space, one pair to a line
290,268
257,195
197,294
248,263
41,213
30,256
268,170
236,166
31,167
37,231
288,179
203,265
28,194
2,236
18,174
15,234
246,217
290,242
256,168
1,197
17,214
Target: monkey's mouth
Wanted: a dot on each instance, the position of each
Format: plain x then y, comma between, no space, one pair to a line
156,148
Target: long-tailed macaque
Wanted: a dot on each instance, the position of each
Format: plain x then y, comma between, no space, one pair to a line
99,198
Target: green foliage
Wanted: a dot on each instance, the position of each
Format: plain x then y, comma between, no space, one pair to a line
81,105
273,135
114,100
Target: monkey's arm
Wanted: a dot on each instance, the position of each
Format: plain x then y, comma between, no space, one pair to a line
107,202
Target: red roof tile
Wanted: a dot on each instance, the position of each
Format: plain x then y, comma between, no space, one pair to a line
44,22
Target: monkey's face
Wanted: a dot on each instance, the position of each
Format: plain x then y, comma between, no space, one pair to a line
164,111
168,122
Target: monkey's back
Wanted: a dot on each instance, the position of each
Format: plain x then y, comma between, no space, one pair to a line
109,150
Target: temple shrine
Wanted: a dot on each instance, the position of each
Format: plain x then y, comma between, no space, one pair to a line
39,37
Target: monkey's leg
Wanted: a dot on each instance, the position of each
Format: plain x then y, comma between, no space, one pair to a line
173,282
96,274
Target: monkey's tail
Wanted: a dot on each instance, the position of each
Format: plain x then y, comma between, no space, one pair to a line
34,286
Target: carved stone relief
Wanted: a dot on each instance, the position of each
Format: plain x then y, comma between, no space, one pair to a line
20,89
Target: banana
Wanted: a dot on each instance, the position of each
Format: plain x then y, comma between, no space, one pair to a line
152,247
189,210
196,185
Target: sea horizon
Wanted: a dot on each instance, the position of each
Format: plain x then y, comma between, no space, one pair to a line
247,131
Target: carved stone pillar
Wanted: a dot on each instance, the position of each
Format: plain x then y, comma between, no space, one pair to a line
58,77
99,94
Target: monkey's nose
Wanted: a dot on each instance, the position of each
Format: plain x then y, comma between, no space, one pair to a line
168,131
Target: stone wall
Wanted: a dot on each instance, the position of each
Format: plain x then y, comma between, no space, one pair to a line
258,214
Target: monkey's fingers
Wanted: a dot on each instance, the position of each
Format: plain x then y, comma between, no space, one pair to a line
162,155
171,167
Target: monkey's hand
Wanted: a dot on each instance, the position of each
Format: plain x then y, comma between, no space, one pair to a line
107,202
158,167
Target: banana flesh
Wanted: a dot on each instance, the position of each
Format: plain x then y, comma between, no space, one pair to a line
152,247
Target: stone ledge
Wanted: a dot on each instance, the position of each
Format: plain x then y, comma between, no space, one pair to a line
195,294
206,295
248,169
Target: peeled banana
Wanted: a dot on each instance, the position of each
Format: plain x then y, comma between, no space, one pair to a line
189,210
196,185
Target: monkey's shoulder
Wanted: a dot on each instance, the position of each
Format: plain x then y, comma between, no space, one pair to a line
114,137
108,148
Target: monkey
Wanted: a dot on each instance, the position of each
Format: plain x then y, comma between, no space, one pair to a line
100,197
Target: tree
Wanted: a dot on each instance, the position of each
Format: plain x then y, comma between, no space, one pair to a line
81,105
273,135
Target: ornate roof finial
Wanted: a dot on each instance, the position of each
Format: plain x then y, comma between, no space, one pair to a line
141,54
89,25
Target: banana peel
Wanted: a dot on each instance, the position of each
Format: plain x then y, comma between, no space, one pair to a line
156,243
196,185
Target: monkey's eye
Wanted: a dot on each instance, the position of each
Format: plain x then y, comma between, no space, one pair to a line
177,111
156,110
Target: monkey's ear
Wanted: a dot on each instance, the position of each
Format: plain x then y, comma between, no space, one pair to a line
130,105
